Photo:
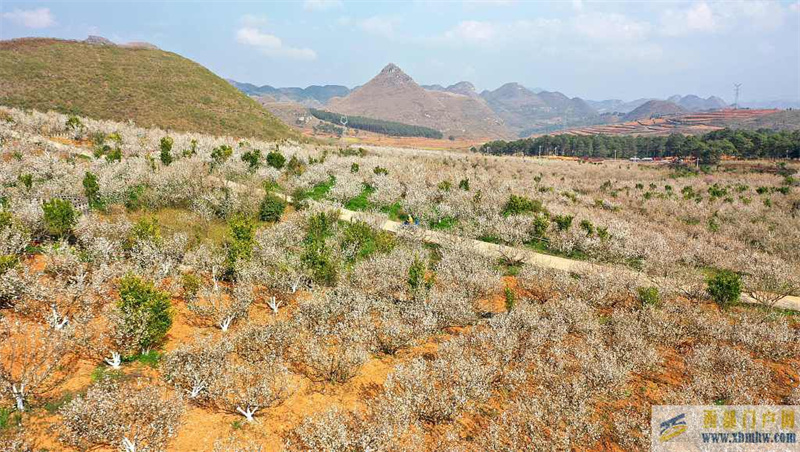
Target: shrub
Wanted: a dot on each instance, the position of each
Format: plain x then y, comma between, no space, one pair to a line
295,166
419,281
648,295
92,189
26,180
192,149
540,226
145,229
563,222
59,217
5,218
166,150
114,155
321,263
463,184
7,262
74,123
252,158
146,311
240,243
380,170
444,185
510,299
354,167
518,205
364,241
221,154
190,284
587,227
276,160
271,208
724,287
127,417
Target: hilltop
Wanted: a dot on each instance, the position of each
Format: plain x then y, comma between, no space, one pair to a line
152,87
392,95
654,109
697,103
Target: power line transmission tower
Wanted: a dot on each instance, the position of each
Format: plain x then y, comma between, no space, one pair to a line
736,87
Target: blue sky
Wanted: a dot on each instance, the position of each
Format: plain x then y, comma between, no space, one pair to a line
594,50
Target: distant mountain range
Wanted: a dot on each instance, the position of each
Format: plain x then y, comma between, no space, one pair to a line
312,96
460,110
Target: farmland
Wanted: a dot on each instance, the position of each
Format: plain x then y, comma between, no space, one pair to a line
694,123
190,298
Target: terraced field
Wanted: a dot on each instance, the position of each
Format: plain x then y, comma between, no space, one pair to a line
690,124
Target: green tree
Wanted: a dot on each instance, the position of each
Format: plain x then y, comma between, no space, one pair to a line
92,189
724,287
166,150
271,208
241,238
252,158
221,154
59,217
146,311
276,160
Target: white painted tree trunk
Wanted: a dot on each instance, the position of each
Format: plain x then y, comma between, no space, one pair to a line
128,445
226,323
114,361
274,305
19,396
56,321
248,413
197,388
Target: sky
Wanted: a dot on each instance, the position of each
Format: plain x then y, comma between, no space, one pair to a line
594,50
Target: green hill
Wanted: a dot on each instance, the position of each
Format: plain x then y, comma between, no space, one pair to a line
152,87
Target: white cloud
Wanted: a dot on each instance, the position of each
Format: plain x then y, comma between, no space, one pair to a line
252,20
379,26
487,34
272,45
724,17
472,31
610,27
32,18
321,5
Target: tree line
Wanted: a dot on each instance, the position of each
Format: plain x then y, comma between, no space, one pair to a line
391,128
709,147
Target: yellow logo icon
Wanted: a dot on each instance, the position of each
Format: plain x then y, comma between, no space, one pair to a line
672,427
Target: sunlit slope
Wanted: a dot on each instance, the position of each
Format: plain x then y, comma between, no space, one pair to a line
152,87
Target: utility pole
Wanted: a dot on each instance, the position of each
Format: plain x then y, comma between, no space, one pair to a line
615,154
736,87
540,151
343,121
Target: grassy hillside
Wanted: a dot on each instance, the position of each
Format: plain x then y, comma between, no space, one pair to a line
150,87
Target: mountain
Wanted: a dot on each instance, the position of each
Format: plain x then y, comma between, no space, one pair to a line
312,96
692,102
394,96
518,106
616,105
575,107
654,109
152,87
463,88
